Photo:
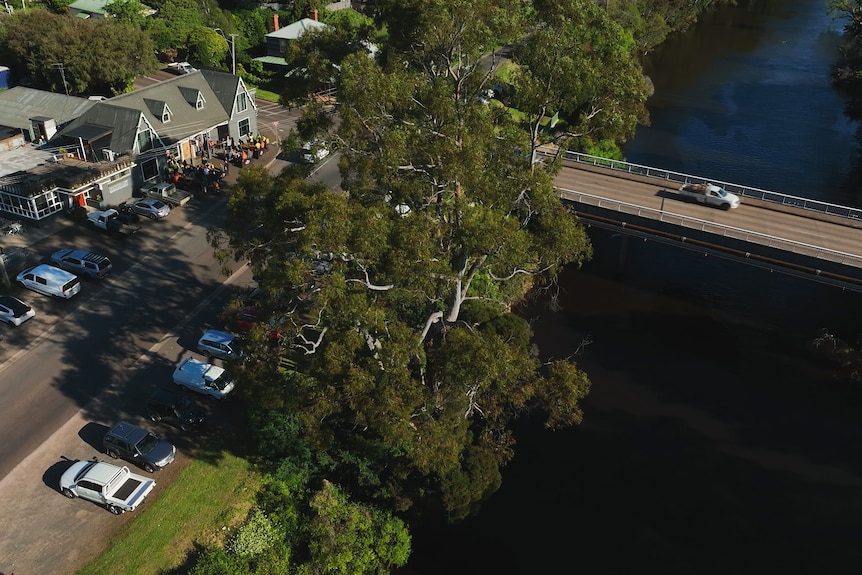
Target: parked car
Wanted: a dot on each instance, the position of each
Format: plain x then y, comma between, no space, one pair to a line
82,263
181,68
175,408
152,208
14,311
117,488
311,152
220,344
205,378
50,281
139,446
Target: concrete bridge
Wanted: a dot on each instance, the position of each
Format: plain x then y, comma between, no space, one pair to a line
807,238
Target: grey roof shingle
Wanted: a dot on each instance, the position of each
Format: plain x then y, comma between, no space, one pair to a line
19,104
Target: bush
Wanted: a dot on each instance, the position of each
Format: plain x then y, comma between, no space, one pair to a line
254,537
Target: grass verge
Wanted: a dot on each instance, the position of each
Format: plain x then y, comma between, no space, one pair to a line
266,95
205,499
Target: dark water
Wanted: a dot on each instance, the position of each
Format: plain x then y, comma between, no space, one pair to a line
745,97
712,441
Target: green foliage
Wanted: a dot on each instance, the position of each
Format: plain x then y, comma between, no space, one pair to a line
128,11
477,478
217,561
254,536
101,56
208,48
352,539
583,66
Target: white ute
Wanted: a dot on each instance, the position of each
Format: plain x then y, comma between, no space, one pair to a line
115,487
202,377
710,194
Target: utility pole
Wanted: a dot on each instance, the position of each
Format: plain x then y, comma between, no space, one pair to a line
232,41
59,65
233,54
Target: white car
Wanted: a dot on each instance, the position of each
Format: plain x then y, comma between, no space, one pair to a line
48,280
152,208
205,378
14,311
312,152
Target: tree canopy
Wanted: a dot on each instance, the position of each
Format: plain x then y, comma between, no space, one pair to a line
101,56
394,300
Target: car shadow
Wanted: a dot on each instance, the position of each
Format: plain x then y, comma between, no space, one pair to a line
93,433
52,475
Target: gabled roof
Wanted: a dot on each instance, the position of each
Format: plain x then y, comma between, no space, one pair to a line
297,29
124,112
19,105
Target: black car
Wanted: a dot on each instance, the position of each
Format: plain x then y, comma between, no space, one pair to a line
139,446
168,405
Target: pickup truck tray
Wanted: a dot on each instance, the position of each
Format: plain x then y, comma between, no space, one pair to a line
127,489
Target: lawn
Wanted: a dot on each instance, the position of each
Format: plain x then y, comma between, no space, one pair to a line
201,505
266,95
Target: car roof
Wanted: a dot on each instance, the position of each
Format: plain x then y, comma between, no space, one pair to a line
150,201
49,271
129,432
218,336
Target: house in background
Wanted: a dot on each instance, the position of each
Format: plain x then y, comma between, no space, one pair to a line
89,8
277,40
115,146
96,9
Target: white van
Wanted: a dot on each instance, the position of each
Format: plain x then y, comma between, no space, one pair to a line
50,281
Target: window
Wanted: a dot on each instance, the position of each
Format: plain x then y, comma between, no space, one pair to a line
241,102
199,105
166,116
150,168
145,141
244,129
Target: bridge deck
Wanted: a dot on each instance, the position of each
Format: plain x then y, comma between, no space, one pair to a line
823,236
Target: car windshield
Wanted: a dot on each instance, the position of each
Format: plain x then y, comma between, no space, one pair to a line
223,381
721,192
148,443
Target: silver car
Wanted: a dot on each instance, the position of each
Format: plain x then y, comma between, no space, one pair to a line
151,207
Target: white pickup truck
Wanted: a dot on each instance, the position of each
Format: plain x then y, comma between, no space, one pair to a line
195,375
709,194
115,487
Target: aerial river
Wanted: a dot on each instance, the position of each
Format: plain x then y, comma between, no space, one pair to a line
712,441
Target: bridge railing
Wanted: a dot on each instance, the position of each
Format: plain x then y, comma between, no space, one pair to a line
714,228
680,179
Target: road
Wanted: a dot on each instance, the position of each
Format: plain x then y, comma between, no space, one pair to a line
82,364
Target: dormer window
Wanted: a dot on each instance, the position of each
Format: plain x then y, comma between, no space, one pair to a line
166,115
199,104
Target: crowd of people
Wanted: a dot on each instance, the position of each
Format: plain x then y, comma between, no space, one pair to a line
241,154
203,178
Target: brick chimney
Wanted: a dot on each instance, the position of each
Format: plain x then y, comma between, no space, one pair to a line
314,14
274,22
